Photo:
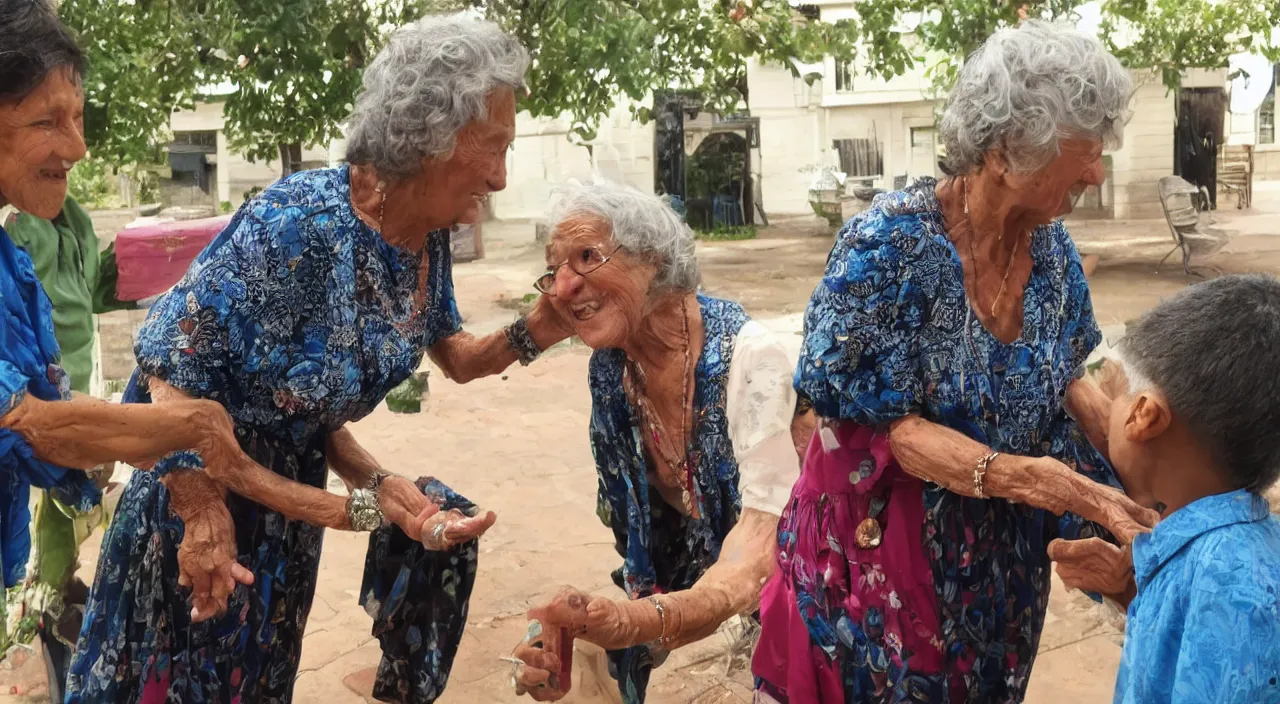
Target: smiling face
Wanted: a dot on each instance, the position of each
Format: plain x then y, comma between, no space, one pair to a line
1052,191
605,306
41,138
457,186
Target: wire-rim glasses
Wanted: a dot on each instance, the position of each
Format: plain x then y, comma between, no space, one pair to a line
583,263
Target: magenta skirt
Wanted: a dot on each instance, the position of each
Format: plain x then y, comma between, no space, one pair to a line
851,613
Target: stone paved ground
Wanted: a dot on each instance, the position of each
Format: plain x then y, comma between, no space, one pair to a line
517,444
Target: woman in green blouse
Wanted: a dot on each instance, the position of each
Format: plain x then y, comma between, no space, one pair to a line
80,282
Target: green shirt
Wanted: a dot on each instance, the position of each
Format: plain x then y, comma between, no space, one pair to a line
78,280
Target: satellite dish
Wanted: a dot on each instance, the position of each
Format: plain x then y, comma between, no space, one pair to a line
1251,86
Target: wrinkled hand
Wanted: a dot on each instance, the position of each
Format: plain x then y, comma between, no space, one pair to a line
1053,486
540,674
1112,380
449,528
1117,513
545,315
600,620
1093,565
207,560
404,504
219,450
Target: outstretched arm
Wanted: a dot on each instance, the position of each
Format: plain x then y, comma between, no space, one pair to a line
731,586
464,357
951,460
247,478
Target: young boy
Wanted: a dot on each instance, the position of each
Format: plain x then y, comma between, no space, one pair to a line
1197,436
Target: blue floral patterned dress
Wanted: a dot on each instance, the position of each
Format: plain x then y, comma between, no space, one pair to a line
662,549
890,332
298,318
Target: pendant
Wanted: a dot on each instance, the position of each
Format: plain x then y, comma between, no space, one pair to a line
868,534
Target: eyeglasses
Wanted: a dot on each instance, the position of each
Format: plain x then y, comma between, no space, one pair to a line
585,261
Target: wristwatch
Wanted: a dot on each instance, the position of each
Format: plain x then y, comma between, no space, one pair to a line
364,510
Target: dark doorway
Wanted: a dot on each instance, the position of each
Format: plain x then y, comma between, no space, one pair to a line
1197,136
718,180
668,145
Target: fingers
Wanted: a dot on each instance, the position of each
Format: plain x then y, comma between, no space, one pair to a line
1066,550
241,574
463,528
417,525
567,610
1073,579
444,530
200,579
1147,517
538,659
1126,529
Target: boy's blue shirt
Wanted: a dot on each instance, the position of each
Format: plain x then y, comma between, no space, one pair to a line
1205,626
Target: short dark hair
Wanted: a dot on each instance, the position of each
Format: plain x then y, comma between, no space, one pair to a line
1213,349
33,43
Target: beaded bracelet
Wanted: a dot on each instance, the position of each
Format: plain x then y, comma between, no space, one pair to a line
980,473
522,342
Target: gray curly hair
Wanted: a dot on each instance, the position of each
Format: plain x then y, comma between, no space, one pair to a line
432,78
1028,87
642,223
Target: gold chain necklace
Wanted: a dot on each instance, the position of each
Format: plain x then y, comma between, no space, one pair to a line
635,381
1004,280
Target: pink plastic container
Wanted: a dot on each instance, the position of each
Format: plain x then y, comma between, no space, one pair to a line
152,258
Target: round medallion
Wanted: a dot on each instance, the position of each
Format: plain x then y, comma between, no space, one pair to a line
866,468
868,534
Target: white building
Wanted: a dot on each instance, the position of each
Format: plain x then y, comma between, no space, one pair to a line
800,125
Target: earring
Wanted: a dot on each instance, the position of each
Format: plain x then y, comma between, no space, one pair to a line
381,188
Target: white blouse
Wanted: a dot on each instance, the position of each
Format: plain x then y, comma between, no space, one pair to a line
760,406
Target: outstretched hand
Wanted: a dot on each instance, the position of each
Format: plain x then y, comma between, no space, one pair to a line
1093,565
404,504
606,622
446,529
1119,514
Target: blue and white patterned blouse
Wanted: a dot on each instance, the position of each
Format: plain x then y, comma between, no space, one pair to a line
28,365
1205,626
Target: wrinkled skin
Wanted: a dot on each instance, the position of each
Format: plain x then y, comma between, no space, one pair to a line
41,137
1093,565
947,458
607,307
198,497
443,530
538,676
616,306
446,191
730,586
991,235
207,554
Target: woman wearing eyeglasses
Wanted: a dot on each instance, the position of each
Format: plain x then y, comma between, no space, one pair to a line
692,431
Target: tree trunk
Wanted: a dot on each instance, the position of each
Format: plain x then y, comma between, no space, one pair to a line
290,158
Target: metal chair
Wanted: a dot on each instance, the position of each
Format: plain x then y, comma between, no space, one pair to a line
1182,204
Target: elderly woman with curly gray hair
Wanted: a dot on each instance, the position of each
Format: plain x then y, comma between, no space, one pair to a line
692,422
943,353
319,297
